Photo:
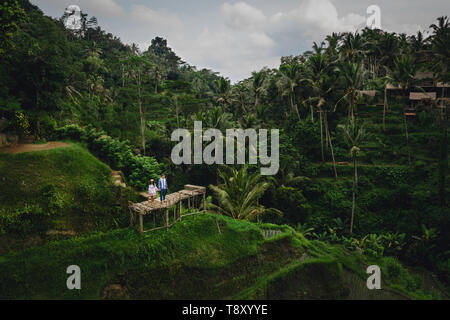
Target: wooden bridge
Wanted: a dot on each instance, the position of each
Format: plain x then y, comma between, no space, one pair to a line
174,201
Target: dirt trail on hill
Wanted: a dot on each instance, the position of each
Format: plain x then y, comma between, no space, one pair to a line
33,147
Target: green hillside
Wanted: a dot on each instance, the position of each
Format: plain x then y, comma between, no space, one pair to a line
358,129
66,189
194,261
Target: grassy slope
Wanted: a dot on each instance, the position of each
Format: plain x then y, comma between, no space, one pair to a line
192,260
83,190
24,174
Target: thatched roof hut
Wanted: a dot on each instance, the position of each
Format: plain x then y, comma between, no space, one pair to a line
419,96
367,92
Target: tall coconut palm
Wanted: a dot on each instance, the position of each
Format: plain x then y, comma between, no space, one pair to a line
258,86
355,77
354,134
333,43
389,48
286,177
238,196
403,73
440,53
289,83
214,118
353,47
320,76
372,50
222,87
241,93
403,76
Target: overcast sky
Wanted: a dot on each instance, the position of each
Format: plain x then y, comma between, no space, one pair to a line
238,37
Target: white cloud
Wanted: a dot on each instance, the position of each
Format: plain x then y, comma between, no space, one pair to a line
252,40
236,37
109,7
144,14
242,15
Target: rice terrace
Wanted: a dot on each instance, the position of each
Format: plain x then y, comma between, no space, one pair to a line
303,157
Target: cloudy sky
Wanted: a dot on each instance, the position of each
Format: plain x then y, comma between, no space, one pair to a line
238,37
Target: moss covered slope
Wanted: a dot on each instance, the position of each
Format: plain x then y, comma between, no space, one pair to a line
190,261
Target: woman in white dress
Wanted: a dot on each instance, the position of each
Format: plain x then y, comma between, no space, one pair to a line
152,191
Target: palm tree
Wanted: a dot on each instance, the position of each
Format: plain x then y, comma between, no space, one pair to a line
286,177
223,91
333,43
354,134
403,73
388,48
353,45
258,86
320,76
355,77
239,194
403,76
372,49
214,118
440,53
442,27
289,82
241,92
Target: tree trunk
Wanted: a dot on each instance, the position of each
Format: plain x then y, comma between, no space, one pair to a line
176,110
327,132
312,112
141,114
443,157
355,184
384,108
321,134
352,108
38,117
407,140
123,76
294,107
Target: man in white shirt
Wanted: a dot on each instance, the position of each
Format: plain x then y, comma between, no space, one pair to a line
162,186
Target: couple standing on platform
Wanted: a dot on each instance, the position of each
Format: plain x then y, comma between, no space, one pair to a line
162,187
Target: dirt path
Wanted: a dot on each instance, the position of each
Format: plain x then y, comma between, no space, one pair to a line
33,147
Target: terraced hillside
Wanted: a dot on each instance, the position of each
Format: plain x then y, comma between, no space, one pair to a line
53,194
194,261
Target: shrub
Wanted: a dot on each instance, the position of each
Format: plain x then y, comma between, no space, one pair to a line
25,220
371,244
393,268
53,201
117,154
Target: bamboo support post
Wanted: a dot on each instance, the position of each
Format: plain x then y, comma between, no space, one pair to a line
204,201
167,219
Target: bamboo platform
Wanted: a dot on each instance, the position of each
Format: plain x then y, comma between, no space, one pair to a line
174,201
